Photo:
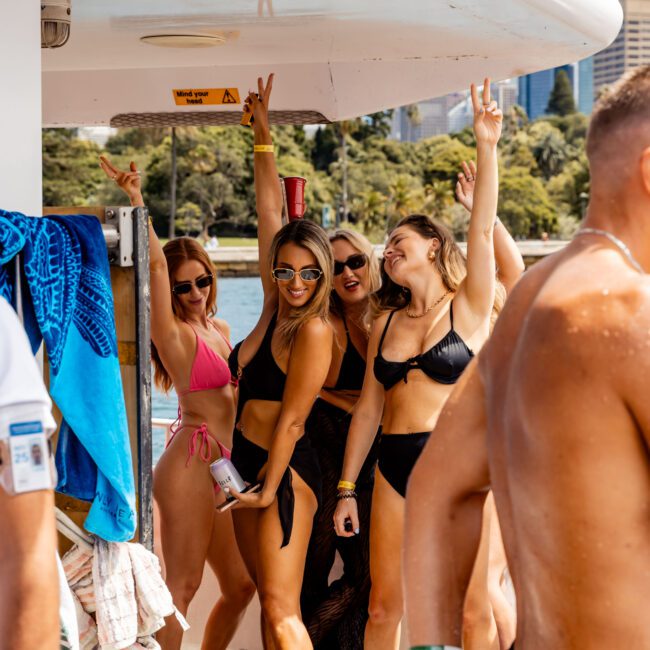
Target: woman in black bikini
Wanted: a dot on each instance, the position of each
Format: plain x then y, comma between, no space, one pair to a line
434,311
282,365
336,614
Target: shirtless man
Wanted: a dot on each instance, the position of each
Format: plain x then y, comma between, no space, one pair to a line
562,391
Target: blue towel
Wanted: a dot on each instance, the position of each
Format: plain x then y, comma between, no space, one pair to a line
67,300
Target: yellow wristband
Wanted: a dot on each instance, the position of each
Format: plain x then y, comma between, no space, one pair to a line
263,148
346,485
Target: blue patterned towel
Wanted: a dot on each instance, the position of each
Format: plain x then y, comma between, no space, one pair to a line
67,300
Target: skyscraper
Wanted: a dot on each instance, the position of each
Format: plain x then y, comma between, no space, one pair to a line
584,86
631,47
536,88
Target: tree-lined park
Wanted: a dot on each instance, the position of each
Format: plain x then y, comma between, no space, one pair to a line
352,168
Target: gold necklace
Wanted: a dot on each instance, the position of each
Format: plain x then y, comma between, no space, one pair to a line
426,311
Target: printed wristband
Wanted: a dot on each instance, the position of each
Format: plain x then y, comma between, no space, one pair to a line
263,148
346,485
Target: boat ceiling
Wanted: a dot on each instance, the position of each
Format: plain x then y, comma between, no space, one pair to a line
333,59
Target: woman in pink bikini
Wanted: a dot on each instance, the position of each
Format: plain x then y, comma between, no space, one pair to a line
190,349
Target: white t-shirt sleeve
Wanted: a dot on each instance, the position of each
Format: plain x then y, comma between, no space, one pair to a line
23,395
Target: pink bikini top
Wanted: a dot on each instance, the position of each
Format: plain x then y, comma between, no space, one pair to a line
209,370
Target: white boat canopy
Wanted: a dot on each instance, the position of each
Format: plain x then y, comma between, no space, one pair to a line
333,59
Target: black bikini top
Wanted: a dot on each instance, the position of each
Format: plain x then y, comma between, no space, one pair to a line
353,366
261,377
444,362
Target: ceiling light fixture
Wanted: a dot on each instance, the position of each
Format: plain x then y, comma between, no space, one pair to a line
55,22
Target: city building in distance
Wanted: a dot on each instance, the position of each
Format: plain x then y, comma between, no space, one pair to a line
631,47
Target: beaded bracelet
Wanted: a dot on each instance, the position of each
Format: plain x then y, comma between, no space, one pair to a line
346,494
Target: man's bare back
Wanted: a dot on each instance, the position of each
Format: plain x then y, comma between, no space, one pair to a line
554,417
568,420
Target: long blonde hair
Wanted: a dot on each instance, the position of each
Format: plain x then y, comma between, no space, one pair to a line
362,245
314,239
176,252
449,261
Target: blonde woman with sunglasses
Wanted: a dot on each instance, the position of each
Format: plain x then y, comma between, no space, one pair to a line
335,614
282,366
190,348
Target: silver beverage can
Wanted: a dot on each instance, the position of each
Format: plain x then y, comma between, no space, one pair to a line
226,476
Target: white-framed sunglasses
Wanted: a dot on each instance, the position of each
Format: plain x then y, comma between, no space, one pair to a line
307,275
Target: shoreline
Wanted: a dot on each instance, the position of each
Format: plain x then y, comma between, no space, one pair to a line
242,261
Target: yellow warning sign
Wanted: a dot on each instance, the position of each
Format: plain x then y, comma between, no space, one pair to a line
198,96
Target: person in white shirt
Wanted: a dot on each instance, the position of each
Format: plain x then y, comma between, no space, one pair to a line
29,583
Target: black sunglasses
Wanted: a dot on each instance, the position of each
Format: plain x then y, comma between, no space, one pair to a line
353,262
185,287
307,275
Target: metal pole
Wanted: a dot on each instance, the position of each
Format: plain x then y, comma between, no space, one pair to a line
143,370
344,166
172,207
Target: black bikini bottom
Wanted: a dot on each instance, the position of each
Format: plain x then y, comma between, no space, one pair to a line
398,453
249,459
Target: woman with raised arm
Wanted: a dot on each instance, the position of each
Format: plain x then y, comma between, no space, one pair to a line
489,620
336,614
434,311
510,263
282,365
190,351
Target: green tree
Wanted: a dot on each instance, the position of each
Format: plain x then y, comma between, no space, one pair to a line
548,147
569,190
438,196
413,120
514,120
524,204
71,172
369,211
516,152
440,158
405,197
374,125
126,141
561,100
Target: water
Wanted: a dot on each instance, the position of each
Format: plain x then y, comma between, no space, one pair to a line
239,302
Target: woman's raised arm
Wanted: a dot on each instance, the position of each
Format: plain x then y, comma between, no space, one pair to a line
163,322
510,263
268,195
479,285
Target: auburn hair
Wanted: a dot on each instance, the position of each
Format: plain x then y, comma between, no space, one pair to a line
177,251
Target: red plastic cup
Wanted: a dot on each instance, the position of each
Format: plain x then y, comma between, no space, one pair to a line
294,189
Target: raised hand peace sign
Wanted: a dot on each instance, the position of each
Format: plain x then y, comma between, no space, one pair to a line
488,118
258,103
